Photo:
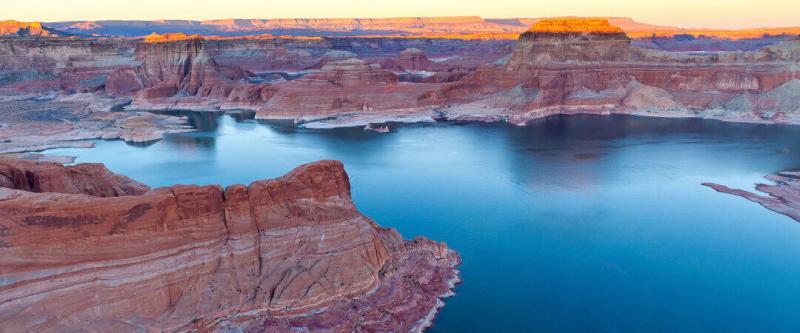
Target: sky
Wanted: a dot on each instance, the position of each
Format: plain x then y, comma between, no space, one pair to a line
683,13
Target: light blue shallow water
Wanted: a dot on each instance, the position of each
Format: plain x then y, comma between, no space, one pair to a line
572,224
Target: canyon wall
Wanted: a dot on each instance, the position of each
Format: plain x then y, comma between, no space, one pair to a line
176,70
37,65
563,65
588,66
86,257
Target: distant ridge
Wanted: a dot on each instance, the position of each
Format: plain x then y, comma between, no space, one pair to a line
434,27
12,28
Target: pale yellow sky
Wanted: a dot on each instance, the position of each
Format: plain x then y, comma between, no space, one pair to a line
685,13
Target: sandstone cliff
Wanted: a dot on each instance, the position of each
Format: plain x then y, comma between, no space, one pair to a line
260,257
176,70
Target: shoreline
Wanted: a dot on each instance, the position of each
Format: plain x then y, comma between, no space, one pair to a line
353,120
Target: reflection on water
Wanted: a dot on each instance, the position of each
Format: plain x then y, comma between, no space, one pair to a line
572,224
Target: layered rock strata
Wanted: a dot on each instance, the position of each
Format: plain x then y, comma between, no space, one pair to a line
347,88
570,40
176,72
267,257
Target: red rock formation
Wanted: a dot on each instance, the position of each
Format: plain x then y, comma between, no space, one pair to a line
206,258
412,60
331,57
37,65
169,37
26,29
176,66
563,40
587,66
782,197
349,86
92,179
415,60
177,72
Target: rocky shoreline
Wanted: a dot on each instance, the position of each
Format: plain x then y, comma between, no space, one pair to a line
782,197
37,124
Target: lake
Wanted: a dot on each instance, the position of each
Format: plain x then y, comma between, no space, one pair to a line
571,224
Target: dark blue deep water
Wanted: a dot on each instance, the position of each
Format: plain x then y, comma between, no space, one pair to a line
572,224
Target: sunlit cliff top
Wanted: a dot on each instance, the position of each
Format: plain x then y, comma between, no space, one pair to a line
171,37
23,28
575,25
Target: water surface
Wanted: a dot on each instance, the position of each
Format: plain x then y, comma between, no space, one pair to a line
572,224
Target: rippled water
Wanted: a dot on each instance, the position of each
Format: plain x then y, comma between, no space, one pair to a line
572,224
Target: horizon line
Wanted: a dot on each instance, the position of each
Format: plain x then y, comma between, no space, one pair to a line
398,17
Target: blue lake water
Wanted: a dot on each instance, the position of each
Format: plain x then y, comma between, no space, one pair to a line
571,224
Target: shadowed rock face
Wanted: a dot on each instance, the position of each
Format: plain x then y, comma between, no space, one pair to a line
204,257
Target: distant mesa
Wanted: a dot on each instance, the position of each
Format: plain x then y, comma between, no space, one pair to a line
27,29
576,29
570,39
575,25
170,37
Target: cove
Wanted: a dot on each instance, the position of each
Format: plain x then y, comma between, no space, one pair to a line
570,224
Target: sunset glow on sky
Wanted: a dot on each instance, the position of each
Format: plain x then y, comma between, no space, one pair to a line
685,13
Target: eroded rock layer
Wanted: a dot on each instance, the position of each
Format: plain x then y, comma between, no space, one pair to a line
277,251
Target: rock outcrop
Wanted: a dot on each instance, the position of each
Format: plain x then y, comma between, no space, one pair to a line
91,179
570,40
782,197
262,257
331,57
177,72
413,60
26,29
344,87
